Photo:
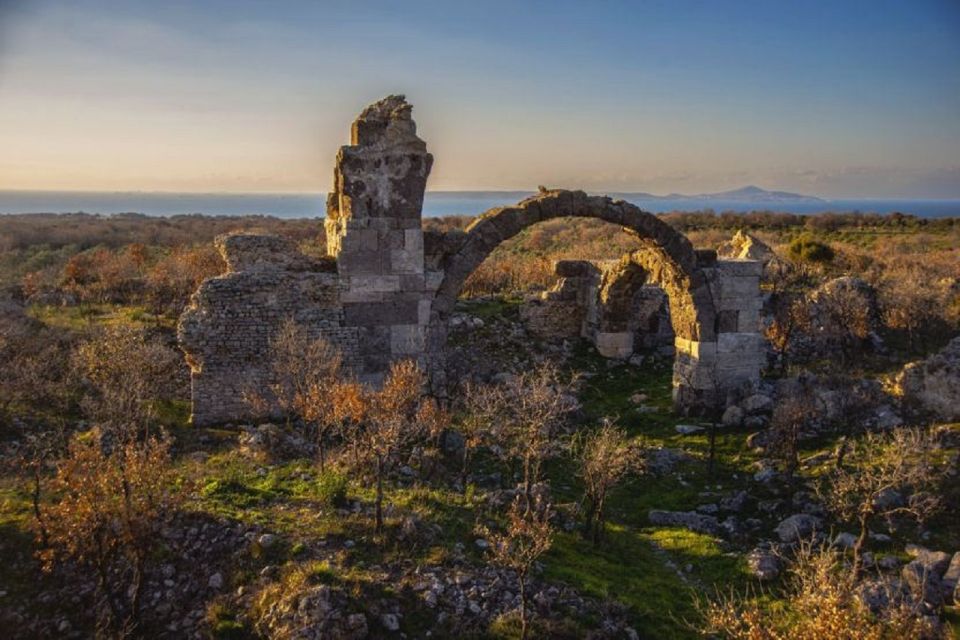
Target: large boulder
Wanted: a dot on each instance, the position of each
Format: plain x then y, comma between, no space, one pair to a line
932,386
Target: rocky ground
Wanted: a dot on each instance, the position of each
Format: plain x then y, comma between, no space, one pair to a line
264,547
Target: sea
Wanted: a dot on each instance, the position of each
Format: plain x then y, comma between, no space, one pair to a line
436,203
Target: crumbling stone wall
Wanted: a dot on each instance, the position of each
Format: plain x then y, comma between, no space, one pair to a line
389,289
226,330
562,312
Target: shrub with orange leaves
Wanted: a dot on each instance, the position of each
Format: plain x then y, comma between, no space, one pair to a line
107,515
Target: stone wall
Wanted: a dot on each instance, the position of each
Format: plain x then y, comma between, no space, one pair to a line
704,370
226,330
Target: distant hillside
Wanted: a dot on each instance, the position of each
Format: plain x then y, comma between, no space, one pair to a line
748,194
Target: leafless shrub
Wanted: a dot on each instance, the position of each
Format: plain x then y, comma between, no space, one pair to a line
390,424
886,475
125,374
526,537
606,456
523,416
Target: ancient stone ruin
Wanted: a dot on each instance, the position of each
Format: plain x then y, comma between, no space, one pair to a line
388,288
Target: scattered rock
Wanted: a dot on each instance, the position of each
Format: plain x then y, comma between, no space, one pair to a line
951,577
736,502
733,416
663,460
933,385
934,561
845,540
215,581
889,499
688,429
797,527
925,585
757,403
390,622
267,540
763,564
686,519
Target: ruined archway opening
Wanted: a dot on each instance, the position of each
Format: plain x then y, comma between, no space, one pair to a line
542,295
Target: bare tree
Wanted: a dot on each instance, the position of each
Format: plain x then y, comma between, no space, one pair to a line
791,316
391,423
881,469
527,536
606,456
790,416
483,407
529,410
909,303
316,404
299,361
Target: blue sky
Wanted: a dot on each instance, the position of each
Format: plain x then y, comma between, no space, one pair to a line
858,99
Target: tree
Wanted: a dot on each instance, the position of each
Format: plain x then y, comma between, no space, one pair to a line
109,513
529,409
909,303
483,405
790,317
606,456
843,316
790,415
390,423
886,475
527,536
304,368
321,369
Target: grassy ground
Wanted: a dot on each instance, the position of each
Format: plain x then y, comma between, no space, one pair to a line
655,572
86,315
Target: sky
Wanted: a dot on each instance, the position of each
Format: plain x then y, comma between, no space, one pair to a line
837,98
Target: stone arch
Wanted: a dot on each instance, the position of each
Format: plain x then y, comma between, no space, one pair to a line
666,255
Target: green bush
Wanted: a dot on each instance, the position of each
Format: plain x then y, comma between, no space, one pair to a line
332,488
807,249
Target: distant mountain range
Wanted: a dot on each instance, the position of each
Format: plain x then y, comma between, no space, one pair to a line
749,194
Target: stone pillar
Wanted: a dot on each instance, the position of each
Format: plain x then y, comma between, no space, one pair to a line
374,230
704,371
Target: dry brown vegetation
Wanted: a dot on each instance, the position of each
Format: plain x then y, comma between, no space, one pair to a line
824,599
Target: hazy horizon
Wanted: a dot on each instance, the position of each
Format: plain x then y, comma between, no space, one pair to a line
854,101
